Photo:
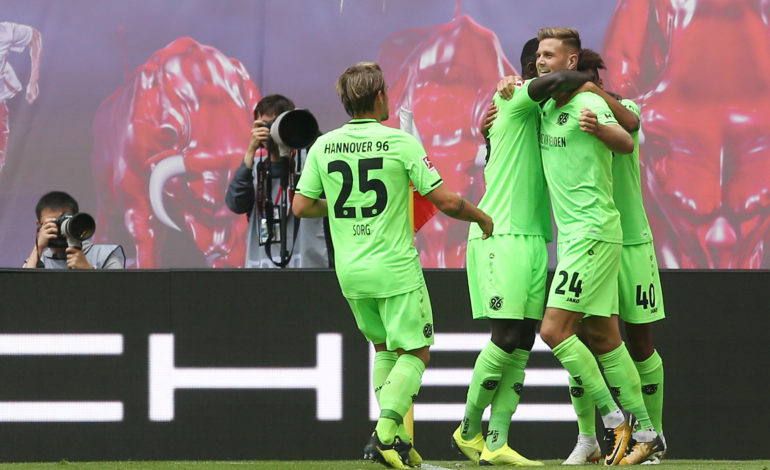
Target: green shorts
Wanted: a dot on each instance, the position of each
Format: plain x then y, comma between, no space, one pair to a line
586,277
507,276
402,321
639,292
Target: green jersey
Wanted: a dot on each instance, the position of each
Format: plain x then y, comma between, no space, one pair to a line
627,191
578,169
516,196
364,168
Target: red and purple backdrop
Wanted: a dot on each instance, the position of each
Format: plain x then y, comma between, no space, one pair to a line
144,109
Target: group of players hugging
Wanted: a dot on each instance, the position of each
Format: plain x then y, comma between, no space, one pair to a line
558,144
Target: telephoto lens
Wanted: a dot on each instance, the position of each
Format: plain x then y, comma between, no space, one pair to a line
73,229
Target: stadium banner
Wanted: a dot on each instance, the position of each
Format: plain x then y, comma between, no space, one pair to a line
242,364
100,98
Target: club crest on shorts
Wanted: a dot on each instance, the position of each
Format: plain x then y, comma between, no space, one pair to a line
562,119
496,302
427,330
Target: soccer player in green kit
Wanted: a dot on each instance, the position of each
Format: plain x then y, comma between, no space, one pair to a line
364,169
640,295
640,299
578,135
507,271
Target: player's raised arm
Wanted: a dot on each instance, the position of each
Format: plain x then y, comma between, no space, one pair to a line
555,82
543,87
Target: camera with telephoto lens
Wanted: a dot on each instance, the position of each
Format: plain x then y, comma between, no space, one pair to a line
73,229
294,129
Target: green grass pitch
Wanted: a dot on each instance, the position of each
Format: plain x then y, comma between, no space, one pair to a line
350,465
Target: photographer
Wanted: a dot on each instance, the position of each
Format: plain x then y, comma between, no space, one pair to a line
256,189
51,249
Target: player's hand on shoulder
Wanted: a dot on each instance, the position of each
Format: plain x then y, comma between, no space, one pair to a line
506,85
588,121
488,120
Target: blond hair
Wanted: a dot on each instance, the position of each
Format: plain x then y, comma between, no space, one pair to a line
358,87
569,36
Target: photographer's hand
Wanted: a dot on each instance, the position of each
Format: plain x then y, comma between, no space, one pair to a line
76,259
257,139
45,233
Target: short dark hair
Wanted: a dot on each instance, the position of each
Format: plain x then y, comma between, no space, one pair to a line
273,104
528,56
529,52
56,200
590,61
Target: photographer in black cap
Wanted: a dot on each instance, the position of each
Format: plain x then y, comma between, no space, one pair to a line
62,238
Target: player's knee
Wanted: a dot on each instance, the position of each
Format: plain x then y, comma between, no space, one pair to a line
639,343
602,344
527,340
507,340
423,354
640,350
528,333
551,336
514,334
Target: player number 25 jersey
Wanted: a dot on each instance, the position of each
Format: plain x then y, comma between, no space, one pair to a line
364,170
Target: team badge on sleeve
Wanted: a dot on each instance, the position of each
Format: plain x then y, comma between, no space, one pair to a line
428,163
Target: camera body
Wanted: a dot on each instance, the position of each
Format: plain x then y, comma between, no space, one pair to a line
73,229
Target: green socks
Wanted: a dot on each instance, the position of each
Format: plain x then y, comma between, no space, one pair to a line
651,385
651,376
623,379
383,364
397,395
582,366
487,373
584,408
506,399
